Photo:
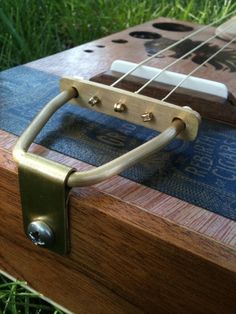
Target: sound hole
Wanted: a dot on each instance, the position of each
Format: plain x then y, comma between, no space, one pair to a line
119,41
174,27
88,50
145,35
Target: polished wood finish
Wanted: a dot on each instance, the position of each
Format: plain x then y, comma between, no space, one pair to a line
81,63
112,241
134,249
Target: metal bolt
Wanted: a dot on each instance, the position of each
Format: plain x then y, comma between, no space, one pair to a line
40,233
94,101
147,116
119,107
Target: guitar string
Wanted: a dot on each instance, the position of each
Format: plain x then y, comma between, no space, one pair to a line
197,68
179,59
170,47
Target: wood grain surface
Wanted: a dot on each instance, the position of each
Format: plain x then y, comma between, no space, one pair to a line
134,249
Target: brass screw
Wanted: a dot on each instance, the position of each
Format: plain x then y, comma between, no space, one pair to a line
119,107
147,116
94,101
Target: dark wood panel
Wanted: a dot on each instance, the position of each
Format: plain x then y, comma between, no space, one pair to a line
78,62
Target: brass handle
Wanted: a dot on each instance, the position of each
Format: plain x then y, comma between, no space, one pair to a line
126,160
45,184
76,179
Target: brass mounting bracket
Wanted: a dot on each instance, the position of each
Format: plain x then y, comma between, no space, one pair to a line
44,197
45,184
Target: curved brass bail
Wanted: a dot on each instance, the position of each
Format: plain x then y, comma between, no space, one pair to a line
45,184
103,172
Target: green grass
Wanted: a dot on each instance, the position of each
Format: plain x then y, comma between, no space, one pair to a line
15,299
31,29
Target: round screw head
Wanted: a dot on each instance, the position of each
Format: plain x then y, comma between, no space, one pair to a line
40,233
119,107
94,101
147,116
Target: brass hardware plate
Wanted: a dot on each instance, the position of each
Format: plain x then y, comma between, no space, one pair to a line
44,196
136,105
43,185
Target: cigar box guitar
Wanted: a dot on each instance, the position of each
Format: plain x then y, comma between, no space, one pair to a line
160,237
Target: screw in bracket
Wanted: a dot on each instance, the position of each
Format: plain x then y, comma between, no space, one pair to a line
94,101
40,233
119,107
147,116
